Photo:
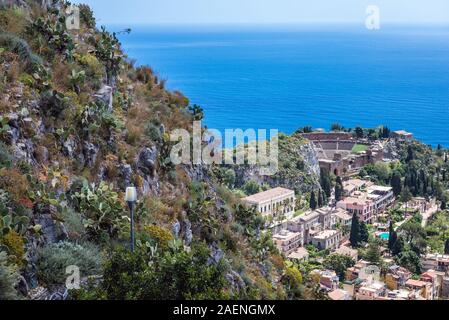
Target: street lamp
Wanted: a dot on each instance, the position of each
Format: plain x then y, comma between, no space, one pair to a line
131,198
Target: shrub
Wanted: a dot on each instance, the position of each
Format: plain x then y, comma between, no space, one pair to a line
13,20
292,280
92,67
251,187
8,279
73,221
174,275
105,213
12,181
22,49
107,50
197,112
133,134
55,258
55,33
96,118
27,79
157,210
77,80
9,222
54,102
15,245
161,235
5,157
153,132
87,16
144,74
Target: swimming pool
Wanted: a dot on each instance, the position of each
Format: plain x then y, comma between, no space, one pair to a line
384,236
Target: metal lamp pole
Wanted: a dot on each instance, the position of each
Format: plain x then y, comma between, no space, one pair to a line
131,198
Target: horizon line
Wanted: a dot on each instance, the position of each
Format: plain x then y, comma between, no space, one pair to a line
271,23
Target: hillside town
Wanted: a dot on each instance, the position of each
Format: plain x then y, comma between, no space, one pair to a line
328,228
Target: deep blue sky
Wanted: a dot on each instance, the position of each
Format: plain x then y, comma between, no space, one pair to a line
265,11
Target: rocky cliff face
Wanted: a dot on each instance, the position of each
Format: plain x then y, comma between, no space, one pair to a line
298,167
78,124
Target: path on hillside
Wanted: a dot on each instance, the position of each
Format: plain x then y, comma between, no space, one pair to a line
426,216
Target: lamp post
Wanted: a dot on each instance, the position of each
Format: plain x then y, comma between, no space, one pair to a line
131,198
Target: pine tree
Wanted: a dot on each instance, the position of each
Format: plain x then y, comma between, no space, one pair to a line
393,236
443,203
359,132
398,246
396,183
339,189
354,237
364,233
313,202
410,154
406,196
373,254
325,182
320,199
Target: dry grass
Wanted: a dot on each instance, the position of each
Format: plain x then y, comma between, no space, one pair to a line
13,20
61,76
134,134
13,72
14,183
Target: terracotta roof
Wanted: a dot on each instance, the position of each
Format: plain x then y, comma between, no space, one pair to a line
337,294
309,216
326,234
358,201
355,182
299,254
343,215
346,251
268,195
415,283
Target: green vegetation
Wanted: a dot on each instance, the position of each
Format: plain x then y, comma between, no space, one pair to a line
339,189
8,279
313,203
107,50
359,148
174,274
105,213
5,157
420,170
22,49
355,237
438,232
338,263
408,244
55,258
53,35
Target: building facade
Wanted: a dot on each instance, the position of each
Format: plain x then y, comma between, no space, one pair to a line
275,204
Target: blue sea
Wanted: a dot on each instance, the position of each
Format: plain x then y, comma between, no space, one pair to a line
287,77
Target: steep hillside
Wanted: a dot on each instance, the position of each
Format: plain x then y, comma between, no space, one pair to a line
298,170
78,124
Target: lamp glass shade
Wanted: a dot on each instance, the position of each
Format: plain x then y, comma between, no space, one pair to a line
131,194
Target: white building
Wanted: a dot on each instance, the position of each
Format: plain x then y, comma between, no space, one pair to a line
277,203
327,240
382,197
288,242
